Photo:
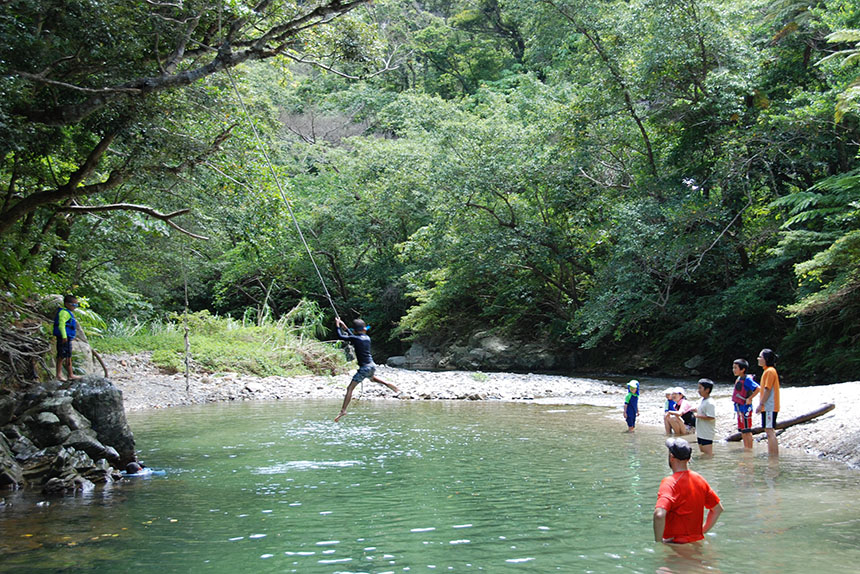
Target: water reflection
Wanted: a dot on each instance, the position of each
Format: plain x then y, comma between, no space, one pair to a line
426,486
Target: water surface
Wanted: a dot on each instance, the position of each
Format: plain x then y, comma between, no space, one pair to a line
426,487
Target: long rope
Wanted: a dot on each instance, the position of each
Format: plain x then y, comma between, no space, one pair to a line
286,201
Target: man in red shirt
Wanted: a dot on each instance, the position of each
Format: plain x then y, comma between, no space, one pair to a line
682,500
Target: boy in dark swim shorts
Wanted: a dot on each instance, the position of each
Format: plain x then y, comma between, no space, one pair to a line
745,389
65,329
360,342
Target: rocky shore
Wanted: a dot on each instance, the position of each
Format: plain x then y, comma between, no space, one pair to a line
63,438
835,435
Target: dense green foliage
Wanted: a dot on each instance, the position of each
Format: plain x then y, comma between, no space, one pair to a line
658,178
262,346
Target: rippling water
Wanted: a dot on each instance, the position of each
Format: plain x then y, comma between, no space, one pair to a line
426,487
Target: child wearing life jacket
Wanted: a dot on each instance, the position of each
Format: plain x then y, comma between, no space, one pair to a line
745,389
65,329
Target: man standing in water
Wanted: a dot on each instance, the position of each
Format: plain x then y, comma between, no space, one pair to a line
682,499
366,367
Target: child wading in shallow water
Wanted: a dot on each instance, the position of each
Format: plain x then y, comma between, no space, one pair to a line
745,389
631,405
366,367
706,418
769,398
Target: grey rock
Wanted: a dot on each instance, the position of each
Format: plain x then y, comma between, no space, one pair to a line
47,419
45,429
101,403
86,441
23,448
254,388
11,473
62,407
694,362
7,409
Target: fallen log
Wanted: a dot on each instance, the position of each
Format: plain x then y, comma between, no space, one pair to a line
826,408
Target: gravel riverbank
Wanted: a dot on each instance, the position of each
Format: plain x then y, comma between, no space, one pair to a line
835,435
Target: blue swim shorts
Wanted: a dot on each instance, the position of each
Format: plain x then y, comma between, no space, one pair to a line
364,372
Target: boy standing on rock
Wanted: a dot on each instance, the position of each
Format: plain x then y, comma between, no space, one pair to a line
360,342
65,329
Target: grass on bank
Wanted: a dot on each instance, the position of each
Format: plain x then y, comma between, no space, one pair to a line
262,347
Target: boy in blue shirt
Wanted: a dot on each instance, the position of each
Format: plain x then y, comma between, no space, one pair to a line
745,389
366,367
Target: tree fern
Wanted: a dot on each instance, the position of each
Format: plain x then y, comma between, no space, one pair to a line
830,279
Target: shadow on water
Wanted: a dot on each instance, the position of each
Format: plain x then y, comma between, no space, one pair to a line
425,486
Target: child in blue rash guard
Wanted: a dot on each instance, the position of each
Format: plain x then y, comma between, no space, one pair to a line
631,405
366,367
668,405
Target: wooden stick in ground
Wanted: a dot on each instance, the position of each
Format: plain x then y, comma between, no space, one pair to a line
99,357
790,422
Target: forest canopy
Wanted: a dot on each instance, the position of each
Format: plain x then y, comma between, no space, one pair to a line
650,178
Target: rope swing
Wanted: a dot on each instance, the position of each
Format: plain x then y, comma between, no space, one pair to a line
286,201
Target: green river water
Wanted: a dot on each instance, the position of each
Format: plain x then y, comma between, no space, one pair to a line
426,487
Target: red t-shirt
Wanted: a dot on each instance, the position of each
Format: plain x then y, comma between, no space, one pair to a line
684,496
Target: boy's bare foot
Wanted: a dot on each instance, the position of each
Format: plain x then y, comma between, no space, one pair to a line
338,417
74,377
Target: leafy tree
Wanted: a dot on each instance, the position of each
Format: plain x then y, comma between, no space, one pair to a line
91,108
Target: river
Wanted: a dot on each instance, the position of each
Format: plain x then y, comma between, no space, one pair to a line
425,486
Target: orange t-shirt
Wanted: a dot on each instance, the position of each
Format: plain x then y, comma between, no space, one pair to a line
684,496
770,380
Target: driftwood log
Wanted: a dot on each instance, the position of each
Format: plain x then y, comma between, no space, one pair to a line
826,408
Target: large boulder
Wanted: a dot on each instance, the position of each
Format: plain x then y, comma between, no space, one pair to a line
100,402
485,350
420,356
63,439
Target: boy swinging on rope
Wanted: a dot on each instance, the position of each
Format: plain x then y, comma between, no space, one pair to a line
366,367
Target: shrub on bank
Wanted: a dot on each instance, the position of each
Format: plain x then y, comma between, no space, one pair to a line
261,347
